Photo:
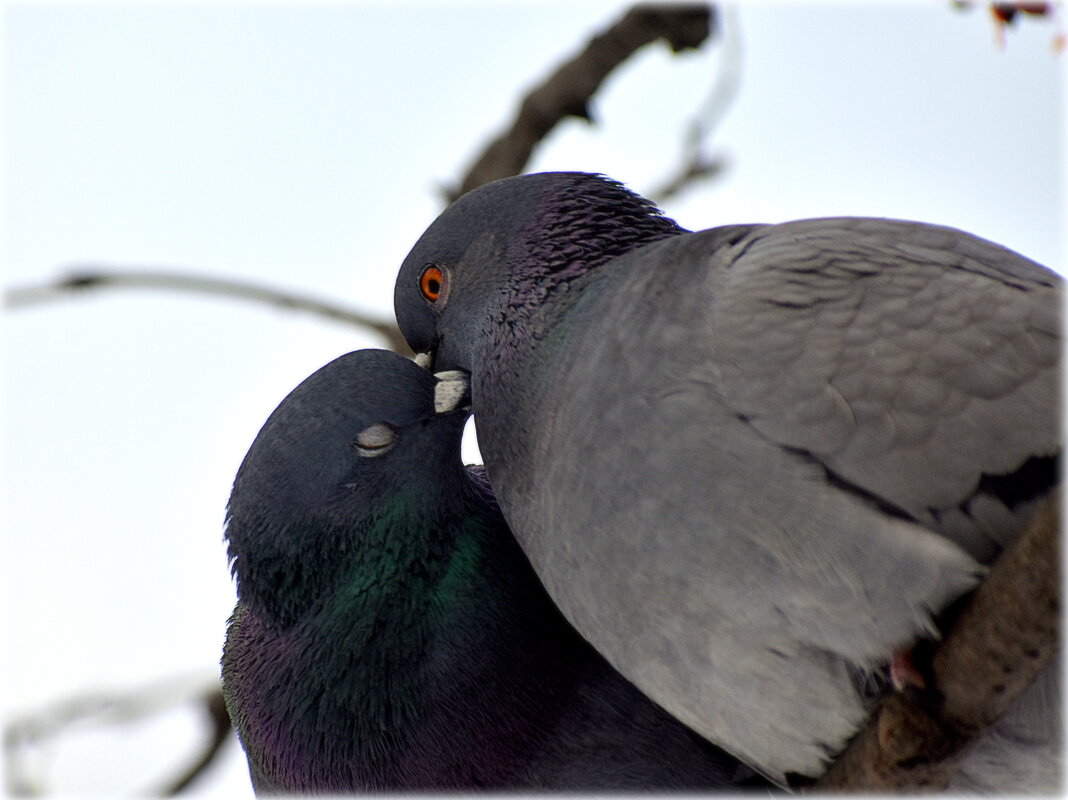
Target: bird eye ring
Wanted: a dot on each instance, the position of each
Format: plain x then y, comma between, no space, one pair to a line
375,440
431,282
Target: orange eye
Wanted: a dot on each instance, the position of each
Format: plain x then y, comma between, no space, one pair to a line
430,283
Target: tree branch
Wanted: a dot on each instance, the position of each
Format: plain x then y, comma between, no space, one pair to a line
568,90
1006,635
694,163
85,277
221,728
27,738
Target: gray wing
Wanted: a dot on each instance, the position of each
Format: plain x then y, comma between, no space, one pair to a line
918,364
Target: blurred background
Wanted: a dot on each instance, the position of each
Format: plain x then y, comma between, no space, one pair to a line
306,147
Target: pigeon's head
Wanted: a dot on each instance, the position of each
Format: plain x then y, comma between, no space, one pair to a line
355,446
500,251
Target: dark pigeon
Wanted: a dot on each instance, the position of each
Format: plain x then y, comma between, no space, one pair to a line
390,633
751,463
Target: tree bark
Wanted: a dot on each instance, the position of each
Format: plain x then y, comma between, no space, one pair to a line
568,90
1006,635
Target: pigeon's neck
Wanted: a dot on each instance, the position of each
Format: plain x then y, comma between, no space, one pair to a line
393,664
524,342
586,224
339,684
572,241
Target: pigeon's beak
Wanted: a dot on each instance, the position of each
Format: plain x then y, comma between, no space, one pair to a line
431,359
452,391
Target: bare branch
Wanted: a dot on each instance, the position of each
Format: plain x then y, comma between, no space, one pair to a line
1006,635
568,90
695,164
28,738
221,729
90,276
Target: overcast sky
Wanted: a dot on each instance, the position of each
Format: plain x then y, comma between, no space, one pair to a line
303,146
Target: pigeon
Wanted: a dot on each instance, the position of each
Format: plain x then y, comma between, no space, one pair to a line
750,464
389,632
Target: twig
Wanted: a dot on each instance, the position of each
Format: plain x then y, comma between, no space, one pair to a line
28,737
695,166
568,90
694,163
221,730
89,276
1006,635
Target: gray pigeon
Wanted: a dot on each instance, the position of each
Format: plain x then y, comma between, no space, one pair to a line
391,634
751,463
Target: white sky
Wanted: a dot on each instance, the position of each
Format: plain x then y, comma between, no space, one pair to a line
301,146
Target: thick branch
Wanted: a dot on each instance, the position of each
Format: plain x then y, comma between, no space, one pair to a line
1006,635
567,92
87,277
